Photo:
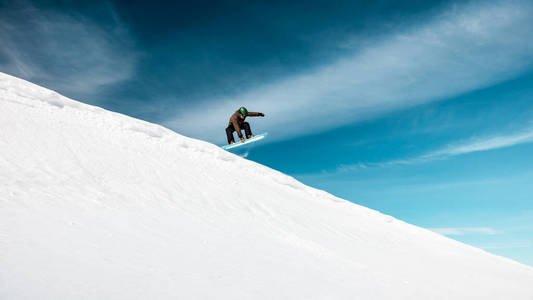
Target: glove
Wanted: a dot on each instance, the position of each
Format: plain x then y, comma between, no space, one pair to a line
242,139
261,114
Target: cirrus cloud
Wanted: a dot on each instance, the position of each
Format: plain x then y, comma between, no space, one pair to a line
65,52
477,144
464,48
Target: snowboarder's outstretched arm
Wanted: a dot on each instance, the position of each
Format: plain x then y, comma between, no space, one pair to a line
255,114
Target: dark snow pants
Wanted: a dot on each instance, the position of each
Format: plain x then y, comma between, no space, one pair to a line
231,129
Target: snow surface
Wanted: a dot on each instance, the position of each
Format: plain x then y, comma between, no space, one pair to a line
98,205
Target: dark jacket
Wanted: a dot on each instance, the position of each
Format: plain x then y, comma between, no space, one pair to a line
237,121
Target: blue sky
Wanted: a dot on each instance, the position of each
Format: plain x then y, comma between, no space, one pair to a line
420,109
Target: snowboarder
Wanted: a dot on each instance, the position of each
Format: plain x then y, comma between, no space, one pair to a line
236,122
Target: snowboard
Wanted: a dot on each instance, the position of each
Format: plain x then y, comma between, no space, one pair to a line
246,142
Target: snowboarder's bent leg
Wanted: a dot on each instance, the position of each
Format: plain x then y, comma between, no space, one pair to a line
229,134
247,130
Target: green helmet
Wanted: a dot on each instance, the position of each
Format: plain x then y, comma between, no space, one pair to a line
244,111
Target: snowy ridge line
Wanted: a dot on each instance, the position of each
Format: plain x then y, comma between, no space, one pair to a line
99,205
26,93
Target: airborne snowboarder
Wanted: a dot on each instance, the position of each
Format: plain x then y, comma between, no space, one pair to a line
236,122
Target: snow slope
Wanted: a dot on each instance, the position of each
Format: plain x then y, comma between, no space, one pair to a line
98,205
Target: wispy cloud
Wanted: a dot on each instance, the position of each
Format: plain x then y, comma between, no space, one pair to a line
527,244
464,48
464,230
67,53
460,148
483,144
